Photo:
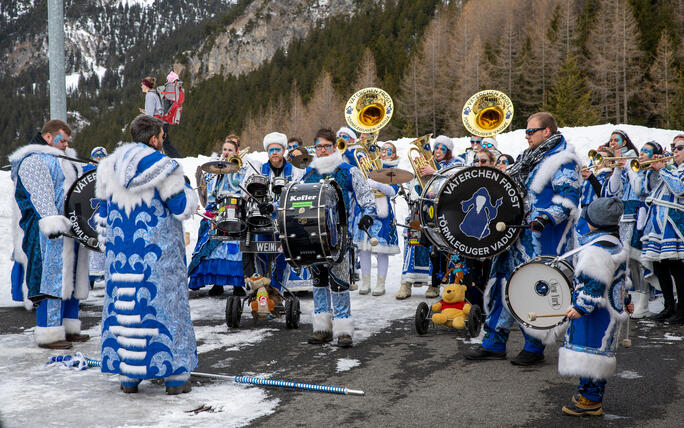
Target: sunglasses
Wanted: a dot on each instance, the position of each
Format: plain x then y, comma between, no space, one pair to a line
488,145
532,131
677,148
503,161
292,146
475,141
483,161
275,150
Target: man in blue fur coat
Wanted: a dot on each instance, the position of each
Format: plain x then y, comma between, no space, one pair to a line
598,308
332,310
51,271
146,328
548,173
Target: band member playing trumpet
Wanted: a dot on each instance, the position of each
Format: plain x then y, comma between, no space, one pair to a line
383,229
631,187
332,309
146,328
442,154
662,237
51,271
593,176
549,173
218,262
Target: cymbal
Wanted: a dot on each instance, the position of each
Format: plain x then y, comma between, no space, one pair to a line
391,176
220,167
301,161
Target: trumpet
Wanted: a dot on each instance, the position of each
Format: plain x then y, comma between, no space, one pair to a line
341,145
636,165
599,159
423,157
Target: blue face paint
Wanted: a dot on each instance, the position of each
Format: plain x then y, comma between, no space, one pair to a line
275,150
57,139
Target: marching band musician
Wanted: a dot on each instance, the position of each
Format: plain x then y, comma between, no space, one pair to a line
504,161
442,153
632,188
332,310
218,262
662,237
50,271
468,157
349,136
146,328
593,176
96,259
548,171
383,229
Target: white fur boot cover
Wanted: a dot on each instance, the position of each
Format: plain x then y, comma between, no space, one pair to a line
45,335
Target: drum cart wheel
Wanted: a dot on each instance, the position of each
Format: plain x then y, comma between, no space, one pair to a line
233,311
292,312
423,318
474,322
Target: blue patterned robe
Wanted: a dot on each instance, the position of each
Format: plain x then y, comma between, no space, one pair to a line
553,188
146,327
591,340
664,229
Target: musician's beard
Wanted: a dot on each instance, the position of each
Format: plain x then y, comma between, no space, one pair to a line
326,165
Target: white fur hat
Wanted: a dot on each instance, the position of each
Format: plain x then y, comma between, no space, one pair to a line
491,141
443,139
275,138
346,130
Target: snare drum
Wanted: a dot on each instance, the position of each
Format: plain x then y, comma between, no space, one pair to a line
277,185
460,207
257,185
312,222
80,207
230,218
540,286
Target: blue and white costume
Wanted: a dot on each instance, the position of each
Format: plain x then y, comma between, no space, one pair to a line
146,328
416,267
332,309
553,188
663,236
52,273
213,261
591,340
588,195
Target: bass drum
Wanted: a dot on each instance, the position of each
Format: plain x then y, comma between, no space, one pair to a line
460,207
541,286
312,222
80,207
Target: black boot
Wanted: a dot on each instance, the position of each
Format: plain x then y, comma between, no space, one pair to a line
678,316
666,313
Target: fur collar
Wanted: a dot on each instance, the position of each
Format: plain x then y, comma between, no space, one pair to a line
548,167
391,163
328,164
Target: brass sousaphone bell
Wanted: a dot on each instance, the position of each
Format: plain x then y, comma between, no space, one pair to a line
487,113
369,110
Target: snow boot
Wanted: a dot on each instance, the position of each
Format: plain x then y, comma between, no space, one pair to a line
404,291
379,289
640,305
365,284
432,292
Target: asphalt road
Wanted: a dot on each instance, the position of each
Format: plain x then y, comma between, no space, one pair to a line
412,380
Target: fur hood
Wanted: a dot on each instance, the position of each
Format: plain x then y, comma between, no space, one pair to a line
69,169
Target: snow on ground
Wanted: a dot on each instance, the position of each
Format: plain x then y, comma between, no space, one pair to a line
72,390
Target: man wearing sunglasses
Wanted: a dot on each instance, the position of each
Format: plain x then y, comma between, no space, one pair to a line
332,310
468,157
547,172
50,271
662,237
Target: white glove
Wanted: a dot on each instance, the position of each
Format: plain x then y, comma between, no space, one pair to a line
54,226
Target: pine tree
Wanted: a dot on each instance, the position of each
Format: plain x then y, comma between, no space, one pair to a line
663,81
569,99
367,73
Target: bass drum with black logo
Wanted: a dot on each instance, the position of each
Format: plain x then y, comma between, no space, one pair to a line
80,207
312,222
460,207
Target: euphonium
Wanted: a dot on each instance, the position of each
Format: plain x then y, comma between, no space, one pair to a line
636,165
368,159
423,157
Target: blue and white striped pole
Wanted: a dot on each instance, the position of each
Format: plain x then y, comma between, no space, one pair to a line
257,381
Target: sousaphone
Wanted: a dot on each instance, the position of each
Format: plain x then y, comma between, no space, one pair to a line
487,113
369,110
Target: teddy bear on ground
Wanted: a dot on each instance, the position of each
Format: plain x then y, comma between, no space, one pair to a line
452,310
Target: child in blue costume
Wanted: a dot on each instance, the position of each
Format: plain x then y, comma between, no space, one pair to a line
598,308
218,262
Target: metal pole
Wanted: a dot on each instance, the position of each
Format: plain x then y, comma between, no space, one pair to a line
58,109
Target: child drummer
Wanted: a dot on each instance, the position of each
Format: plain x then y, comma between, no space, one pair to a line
598,308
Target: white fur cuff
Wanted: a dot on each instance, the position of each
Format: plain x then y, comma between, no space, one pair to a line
322,322
54,225
71,326
583,364
45,335
342,327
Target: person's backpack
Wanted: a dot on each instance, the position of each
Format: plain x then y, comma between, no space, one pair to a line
172,97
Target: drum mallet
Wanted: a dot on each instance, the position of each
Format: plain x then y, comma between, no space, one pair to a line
372,240
501,226
533,316
627,342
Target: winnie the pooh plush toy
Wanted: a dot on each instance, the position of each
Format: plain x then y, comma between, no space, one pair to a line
452,310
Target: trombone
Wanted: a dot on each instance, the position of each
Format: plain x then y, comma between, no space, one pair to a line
423,157
636,165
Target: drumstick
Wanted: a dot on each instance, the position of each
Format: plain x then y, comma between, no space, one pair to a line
532,316
501,226
627,342
373,241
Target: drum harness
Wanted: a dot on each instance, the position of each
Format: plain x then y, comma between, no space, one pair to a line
604,239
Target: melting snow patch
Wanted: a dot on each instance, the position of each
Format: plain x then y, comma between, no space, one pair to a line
670,336
629,374
609,417
346,364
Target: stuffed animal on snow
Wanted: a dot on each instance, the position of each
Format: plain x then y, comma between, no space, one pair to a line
452,310
265,296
